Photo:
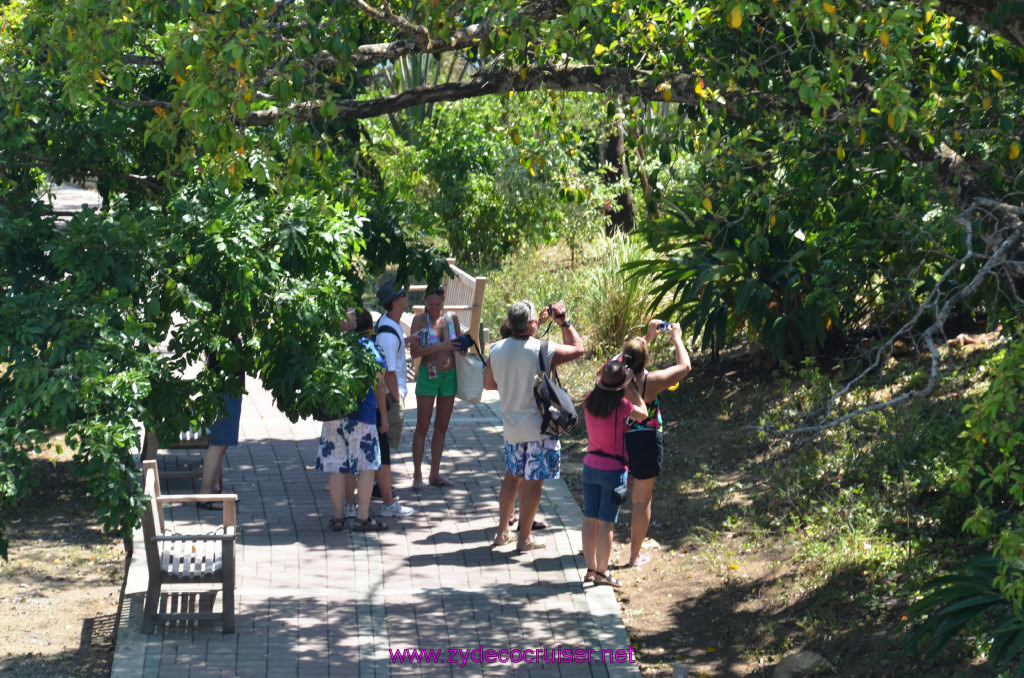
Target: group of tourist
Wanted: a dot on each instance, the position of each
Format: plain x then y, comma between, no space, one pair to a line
360,443
622,414
623,419
624,436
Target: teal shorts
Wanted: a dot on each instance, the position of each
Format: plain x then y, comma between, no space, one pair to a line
443,384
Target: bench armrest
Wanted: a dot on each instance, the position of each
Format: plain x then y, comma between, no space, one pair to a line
228,503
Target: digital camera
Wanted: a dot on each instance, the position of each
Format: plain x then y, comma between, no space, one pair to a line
619,495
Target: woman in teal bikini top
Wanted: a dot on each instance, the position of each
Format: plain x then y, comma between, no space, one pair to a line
434,341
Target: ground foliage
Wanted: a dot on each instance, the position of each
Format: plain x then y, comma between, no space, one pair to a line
61,587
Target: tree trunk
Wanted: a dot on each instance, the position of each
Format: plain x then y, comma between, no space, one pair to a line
623,213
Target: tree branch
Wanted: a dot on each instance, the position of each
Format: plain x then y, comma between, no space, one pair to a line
621,81
463,38
1006,240
148,103
420,33
139,60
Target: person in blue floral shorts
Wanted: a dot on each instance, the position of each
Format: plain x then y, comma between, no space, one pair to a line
351,444
530,456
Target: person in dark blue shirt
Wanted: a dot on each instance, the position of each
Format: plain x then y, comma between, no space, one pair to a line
351,444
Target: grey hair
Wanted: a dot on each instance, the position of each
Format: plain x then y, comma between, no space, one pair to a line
519,316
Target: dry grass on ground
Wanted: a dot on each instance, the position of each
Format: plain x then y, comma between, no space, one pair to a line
61,587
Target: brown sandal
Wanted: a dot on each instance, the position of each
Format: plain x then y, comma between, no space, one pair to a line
606,580
369,525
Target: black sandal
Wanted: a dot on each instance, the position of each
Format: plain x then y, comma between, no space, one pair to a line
369,525
589,576
537,524
337,524
606,580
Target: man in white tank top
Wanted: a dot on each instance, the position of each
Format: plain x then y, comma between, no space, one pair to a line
530,456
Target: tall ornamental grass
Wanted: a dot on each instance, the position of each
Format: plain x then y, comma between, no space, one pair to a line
606,305
618,304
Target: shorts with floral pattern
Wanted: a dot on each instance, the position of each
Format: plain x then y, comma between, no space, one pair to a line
348,446
534,460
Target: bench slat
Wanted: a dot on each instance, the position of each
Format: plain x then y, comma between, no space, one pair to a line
204,564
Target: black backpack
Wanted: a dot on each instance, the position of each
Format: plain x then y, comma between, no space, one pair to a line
556,407
385,329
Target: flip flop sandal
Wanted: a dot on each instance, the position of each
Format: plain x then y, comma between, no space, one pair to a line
337,524
369,525
641,559
418,485
606,580
443,482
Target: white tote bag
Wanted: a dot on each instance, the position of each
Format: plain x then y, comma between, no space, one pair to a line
469,370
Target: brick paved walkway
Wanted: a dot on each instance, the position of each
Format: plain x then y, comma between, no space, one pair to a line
311,602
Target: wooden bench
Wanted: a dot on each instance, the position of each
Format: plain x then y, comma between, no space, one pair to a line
186,559
190,440
463,294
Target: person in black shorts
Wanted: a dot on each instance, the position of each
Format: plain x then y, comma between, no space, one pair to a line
644,442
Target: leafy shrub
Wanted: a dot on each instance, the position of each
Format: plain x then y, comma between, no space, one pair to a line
484,196
730,277
606,304
543,276
972,596
992,472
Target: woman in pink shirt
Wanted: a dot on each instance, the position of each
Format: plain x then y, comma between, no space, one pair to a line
606,408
